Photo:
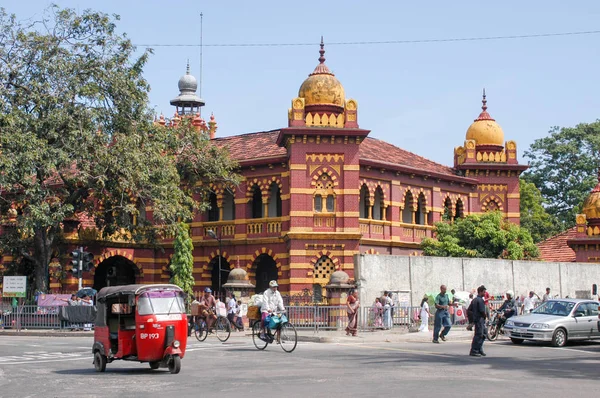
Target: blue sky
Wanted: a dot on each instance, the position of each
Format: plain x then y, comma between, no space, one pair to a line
421,97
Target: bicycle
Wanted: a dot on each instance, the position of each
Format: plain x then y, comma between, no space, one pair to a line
285,334
221,326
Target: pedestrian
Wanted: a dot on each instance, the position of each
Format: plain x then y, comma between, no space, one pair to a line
231,308
451,308
424,315
442,317
479,317
470,325
352,305
87,301
378,311
546,296
529,303
238,321
387,310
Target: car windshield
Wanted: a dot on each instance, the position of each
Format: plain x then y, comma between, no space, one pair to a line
558,308
161,302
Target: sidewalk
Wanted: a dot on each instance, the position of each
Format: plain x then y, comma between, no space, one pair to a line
398,335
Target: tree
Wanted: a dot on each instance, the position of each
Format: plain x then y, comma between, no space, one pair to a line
487,236
564,166
534,216
77,139
182,263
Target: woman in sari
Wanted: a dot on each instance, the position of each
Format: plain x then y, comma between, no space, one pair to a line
352,309
378,310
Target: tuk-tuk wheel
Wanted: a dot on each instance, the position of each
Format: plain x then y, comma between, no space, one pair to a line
99,362
154,365
175,364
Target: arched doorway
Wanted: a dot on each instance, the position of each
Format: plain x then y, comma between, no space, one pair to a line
116,270
214,275
266,270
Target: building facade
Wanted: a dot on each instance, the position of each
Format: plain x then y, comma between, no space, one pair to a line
314,194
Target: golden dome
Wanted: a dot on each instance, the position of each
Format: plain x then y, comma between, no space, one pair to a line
321,87
591,206
485,130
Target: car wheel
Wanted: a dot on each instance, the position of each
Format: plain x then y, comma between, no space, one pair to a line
559,339
516,341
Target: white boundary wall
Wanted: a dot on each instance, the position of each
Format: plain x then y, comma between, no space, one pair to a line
376,273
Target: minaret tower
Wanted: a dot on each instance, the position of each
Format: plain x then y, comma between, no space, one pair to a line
187,102
487,158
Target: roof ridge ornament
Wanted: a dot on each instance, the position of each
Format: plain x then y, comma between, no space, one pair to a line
484,115
322,69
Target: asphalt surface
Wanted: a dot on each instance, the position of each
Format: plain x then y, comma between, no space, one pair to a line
36,366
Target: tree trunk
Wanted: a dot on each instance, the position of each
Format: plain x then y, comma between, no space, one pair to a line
42,254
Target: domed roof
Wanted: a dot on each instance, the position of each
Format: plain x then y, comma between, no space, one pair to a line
339,277
591,205
237,274
322,87
187,91
485,130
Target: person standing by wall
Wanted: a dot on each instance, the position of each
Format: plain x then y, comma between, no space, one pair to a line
387,310
442,317
352,305
529,303
546,296
479,317
424,315
378,311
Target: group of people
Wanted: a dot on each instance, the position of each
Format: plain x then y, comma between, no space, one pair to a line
75,300
208,309
383,308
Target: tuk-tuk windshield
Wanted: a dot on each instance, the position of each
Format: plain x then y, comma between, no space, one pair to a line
161,302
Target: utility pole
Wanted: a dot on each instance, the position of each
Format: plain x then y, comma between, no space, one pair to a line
80,267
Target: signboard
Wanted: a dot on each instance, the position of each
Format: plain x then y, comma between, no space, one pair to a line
14,286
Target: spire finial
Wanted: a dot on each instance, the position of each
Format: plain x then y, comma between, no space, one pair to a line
187,71
484,101
322,51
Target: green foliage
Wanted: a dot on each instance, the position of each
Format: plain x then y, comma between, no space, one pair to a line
182,263
486,236
76,131
534,216
563,166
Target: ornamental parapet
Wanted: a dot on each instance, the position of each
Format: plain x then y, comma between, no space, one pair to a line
473,153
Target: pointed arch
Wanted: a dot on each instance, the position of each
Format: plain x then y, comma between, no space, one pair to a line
213,210
274,205
378,204
407,209
365,201
459,209
228,205
256,202
421,213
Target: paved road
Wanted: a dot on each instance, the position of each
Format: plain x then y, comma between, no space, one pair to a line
62,367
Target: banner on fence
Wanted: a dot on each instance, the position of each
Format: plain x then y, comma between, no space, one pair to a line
52,300
14,286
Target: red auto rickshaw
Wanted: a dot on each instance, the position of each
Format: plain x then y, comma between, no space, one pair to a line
145,323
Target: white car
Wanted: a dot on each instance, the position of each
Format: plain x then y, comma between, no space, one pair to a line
556,321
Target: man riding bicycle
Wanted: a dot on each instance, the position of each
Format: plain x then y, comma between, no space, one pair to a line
208,305
272,302
508,308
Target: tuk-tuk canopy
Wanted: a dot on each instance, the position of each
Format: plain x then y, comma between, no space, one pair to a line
127,290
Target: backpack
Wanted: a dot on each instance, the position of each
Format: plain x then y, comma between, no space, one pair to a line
470,311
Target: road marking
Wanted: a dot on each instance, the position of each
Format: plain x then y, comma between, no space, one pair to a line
398,349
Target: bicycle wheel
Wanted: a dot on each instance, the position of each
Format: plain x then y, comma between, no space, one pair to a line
200,330
222,328
258,342
288,338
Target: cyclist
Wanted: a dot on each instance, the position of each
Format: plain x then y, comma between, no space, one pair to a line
208,304
272,302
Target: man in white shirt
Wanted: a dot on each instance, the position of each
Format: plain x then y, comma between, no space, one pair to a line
529,303
546,296
272,302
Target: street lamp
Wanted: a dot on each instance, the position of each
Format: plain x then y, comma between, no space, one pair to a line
213,235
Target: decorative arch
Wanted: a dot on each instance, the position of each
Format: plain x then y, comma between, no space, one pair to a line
118,252
325,253
269,252
364,199
459,211
407,207
492,202
407,191
317,174
214,255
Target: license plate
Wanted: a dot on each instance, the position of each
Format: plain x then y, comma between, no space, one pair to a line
519,330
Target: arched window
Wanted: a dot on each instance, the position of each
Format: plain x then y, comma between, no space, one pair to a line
447,216
421,215
318,203
492,206
330,203
364,202
257,204
324,189
274,201
213,211
228,206
378,204
407,212
460,209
